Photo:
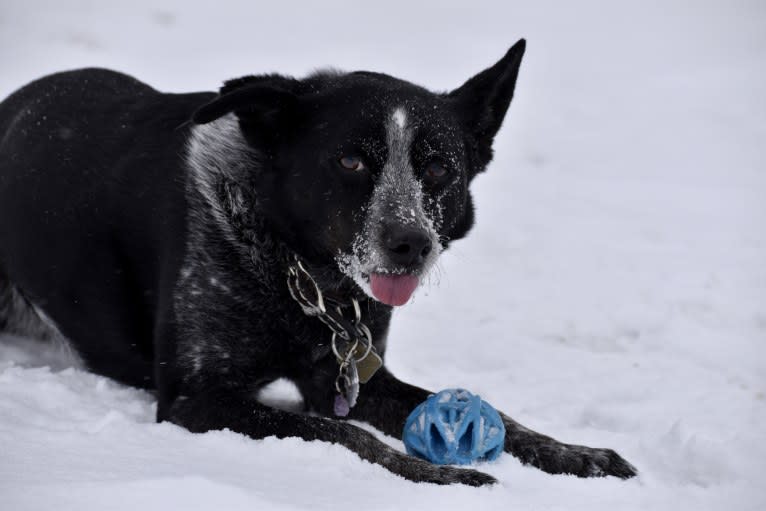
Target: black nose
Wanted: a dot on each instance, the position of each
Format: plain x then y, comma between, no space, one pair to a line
407,246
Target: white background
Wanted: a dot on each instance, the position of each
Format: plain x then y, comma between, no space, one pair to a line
613,292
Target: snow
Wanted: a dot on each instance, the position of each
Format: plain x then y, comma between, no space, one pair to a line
613,292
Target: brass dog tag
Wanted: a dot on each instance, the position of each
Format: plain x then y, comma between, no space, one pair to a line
369,365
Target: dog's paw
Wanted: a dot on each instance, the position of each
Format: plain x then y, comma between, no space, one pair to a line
420,471
557,458
465,476
606,462
589,462
451,475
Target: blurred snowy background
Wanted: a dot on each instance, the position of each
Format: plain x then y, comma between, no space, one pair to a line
613,292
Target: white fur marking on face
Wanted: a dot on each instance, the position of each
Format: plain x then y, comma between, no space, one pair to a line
399,117
397,199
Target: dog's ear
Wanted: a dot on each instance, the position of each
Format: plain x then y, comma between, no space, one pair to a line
251,98
483,100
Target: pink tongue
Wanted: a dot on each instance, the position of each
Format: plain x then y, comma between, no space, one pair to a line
393,289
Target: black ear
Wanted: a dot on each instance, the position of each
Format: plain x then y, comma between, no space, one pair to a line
483,100
251,97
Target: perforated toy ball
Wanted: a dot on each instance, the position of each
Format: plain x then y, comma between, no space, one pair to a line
454,427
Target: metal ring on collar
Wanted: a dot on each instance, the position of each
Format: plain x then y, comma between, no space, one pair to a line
367,342
296,290
336,352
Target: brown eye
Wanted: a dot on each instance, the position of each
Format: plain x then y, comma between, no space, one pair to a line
351,163
435,171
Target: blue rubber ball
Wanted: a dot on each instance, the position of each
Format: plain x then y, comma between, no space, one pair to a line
454,427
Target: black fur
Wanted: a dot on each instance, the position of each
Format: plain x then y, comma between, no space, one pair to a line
159,247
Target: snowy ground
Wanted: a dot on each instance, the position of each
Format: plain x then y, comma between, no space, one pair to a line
613,292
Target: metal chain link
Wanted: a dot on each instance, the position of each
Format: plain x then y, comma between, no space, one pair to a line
353,331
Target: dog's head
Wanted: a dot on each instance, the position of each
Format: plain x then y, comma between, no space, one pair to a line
366,173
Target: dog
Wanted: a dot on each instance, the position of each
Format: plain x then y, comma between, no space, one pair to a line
204,245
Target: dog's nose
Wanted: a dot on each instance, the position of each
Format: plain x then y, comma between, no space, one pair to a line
407,246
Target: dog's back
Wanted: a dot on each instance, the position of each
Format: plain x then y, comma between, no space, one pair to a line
83,152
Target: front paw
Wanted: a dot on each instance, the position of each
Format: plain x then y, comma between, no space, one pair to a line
557,458
421,471
450,475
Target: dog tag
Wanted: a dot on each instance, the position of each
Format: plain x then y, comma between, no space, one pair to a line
351,384
369,365
340,406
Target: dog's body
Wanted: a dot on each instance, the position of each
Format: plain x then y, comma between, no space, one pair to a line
160,248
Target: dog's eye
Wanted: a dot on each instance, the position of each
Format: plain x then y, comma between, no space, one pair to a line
351,163
435,172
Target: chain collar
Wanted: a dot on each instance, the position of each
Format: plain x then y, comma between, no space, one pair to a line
298,279
357,359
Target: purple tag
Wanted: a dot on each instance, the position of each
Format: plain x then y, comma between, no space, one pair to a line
341,406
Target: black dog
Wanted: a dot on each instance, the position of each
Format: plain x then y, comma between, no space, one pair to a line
205,245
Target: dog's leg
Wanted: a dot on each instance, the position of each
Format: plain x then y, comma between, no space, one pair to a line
385,402
224,408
